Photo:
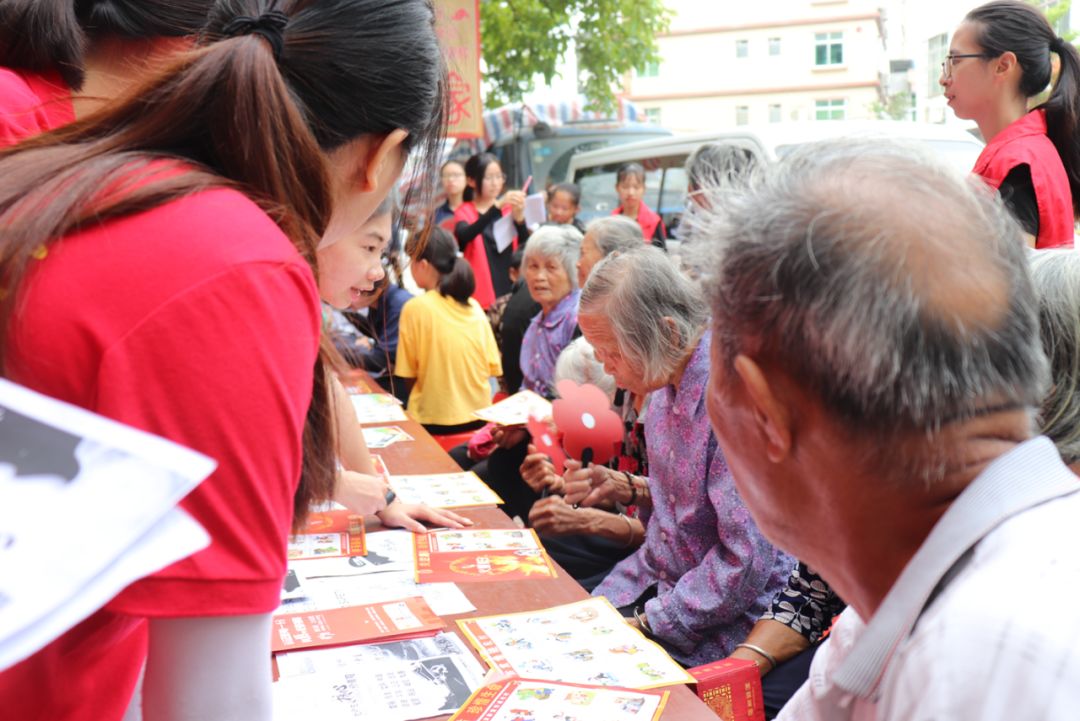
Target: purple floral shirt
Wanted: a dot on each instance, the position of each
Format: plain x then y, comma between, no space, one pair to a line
714,571
544,341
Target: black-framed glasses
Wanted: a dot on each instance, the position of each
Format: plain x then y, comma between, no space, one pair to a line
950,60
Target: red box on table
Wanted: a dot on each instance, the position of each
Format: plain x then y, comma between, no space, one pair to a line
731,688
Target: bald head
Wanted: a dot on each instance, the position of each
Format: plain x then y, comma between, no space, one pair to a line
894,289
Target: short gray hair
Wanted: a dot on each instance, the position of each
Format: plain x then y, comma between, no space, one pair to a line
637,291
717,164
615,233
578,363
562,242
1056,274
892,287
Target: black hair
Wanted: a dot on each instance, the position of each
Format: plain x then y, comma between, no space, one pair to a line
517,258
456,279
475,170
1013,26
627,170
44,35
570,189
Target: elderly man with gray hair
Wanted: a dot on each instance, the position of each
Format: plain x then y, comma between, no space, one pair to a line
876,368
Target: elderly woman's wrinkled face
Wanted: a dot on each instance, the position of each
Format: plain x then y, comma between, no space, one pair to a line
590,256
598,331
547,280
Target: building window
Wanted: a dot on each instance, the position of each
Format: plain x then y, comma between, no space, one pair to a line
774,46
830,109
652,115
937,48
742,48
742,114
775,115
829,48
649,70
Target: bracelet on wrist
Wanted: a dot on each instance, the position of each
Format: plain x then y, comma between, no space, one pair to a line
760,652
629,527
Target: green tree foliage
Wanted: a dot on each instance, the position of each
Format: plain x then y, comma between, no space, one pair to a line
896,107
524,38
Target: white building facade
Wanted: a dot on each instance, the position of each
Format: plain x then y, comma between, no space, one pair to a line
735,63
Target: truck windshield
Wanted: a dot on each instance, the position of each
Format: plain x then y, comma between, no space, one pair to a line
551,156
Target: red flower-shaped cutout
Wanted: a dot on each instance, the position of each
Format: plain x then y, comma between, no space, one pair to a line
592,432
545,441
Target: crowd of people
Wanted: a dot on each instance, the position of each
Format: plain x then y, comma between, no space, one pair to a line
851,432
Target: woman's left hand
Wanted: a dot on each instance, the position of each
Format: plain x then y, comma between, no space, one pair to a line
552,516
409,516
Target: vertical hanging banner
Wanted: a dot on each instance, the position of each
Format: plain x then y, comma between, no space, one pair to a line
457,23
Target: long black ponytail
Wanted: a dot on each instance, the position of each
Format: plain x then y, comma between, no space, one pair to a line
1014,26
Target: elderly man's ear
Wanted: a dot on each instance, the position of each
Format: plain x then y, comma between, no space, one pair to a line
770,413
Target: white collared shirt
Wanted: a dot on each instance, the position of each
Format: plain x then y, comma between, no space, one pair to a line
1000,641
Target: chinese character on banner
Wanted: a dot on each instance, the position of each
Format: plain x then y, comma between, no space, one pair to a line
457,23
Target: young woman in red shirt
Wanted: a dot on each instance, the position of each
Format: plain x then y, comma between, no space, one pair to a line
158,264
1000,58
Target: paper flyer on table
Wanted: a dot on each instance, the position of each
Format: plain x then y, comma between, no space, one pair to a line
478,555
535,210
504,232
516,699
353,624
445,490
384,551
393,681
320,594
383,436
585,642
345,538
516,410
377,408
88,499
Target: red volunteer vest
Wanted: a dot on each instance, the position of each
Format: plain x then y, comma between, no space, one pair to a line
475,253
1025,142
647,218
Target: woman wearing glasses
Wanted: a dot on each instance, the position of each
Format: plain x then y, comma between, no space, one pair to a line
474,226
1000,58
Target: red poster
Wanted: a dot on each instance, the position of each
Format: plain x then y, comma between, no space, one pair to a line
457,23
407,618
477,555
334,522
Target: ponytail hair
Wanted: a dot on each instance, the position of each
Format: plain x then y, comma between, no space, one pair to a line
42,35
1015,26
230,114
456,278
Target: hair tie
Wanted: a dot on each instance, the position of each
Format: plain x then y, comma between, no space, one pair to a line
270,25
1057,44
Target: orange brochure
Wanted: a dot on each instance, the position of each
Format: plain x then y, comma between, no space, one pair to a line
394,620
329,534
477,555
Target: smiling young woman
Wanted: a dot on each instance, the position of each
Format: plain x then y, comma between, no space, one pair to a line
1000,58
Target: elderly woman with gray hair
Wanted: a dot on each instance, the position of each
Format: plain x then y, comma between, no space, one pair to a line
705,573
548,267
604,236
1056,274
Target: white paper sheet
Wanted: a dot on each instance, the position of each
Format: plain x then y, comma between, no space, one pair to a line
103,497
504,232
535,210
377,408
395,681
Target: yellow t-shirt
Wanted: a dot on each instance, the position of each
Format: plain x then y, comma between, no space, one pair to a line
450,350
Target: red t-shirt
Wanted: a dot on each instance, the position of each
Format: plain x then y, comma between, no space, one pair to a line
32,103
198,321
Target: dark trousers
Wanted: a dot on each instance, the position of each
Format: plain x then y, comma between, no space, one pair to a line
780,684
